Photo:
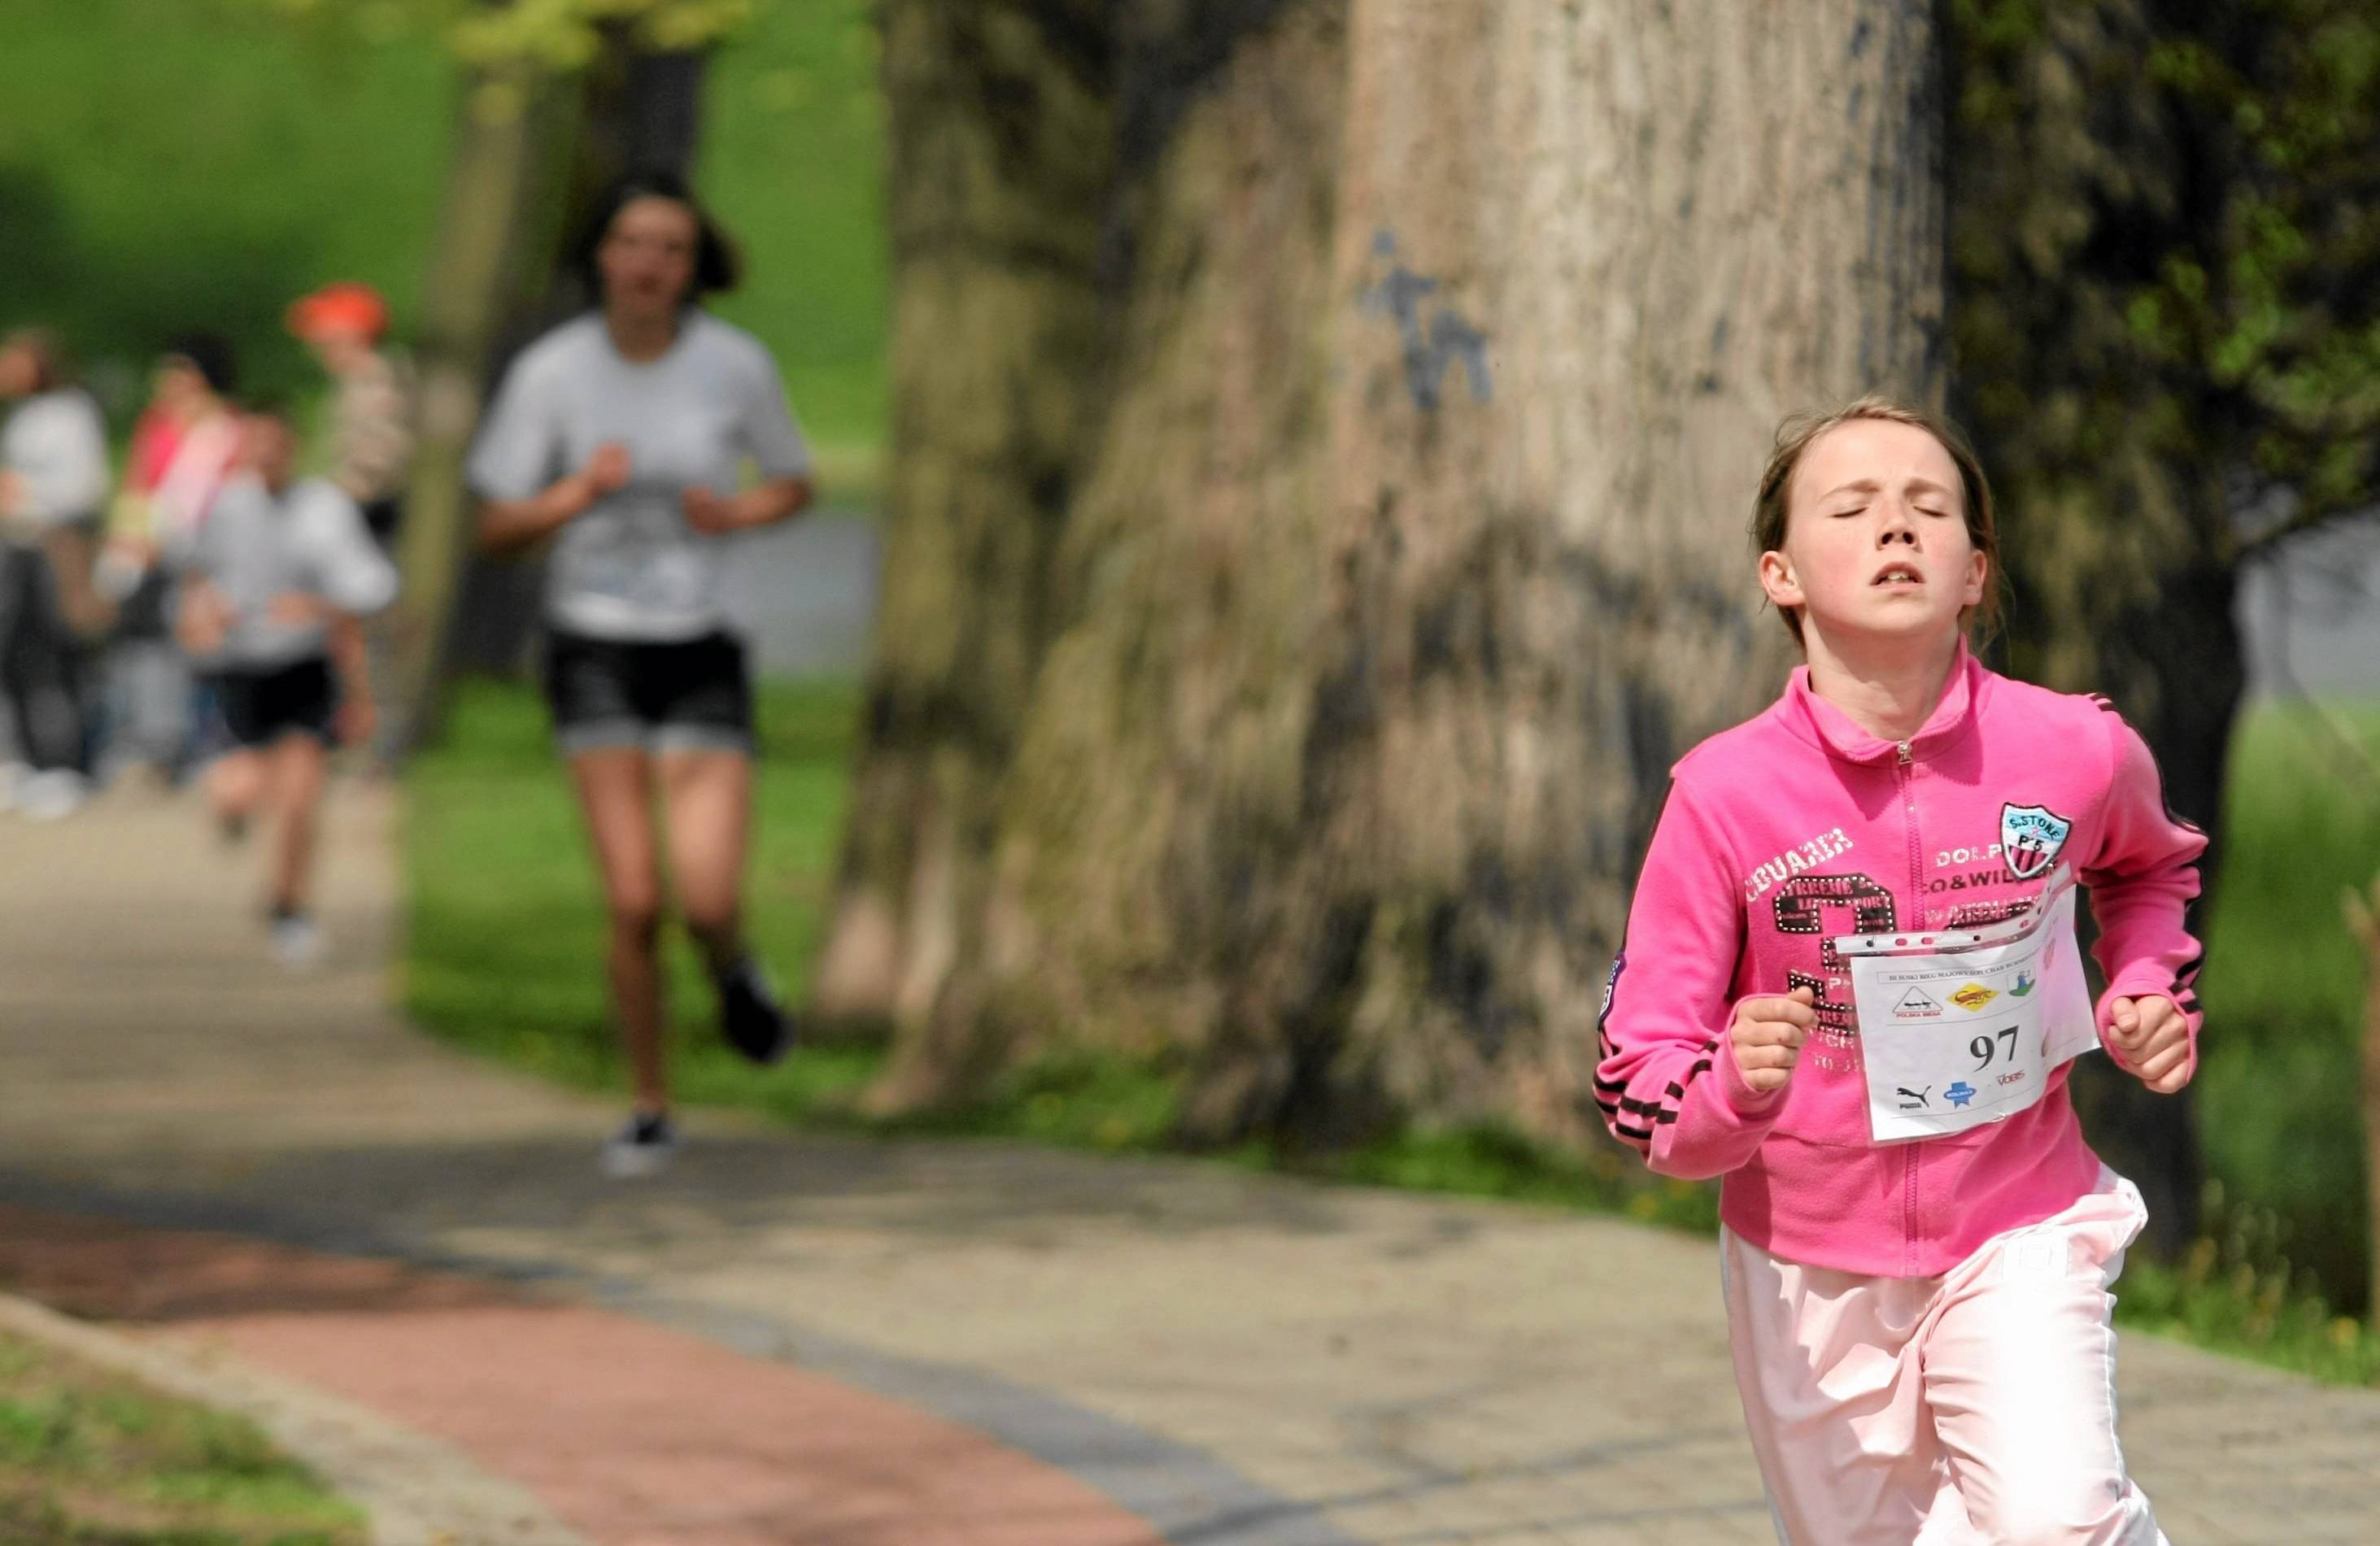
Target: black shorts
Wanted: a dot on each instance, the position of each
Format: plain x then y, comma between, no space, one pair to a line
694,696
382,517
258,708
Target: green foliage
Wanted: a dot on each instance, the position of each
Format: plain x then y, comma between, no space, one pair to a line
171,163
2285,318
2283,988
163,166
559,36
2167,238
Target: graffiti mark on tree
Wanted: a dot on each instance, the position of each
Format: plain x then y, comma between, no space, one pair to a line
1446,339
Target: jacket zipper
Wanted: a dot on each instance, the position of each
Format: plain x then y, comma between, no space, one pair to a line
1906,762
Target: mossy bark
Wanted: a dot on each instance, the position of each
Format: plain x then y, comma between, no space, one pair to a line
999,165
1405,546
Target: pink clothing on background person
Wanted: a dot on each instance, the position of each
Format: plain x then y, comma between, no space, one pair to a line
200,464
1974,1408
154,439
1798,826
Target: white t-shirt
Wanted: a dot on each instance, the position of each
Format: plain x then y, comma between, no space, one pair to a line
310,540
631,567
56,444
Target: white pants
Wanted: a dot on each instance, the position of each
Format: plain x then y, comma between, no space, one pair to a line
1976,1408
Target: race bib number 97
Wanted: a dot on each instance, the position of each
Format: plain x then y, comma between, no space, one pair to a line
1963,1027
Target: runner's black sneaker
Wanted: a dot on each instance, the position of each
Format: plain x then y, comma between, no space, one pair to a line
750,1019
641,1148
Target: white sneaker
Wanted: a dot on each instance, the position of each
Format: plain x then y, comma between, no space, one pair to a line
643,1147
51,795
296,943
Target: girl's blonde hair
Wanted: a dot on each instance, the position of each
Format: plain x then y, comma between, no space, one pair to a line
1797,434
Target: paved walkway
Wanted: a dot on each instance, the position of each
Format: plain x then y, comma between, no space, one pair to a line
797,1339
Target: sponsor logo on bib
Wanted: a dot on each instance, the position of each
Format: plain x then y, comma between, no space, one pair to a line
1973,997
1916,1004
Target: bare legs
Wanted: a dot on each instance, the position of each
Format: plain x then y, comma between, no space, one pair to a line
706,806
287,777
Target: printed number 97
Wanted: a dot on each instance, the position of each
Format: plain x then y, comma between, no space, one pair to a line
1983,1049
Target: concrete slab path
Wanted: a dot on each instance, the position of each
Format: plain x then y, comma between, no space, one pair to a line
795,1339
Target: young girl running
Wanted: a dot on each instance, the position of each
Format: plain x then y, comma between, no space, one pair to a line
619,438
274,586
1847,986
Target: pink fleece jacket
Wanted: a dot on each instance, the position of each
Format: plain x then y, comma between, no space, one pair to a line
1798,827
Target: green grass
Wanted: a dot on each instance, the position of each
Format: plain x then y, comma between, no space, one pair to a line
2284,990
2237,1291
167,163
89,1458
504,941
506,937
1489,1160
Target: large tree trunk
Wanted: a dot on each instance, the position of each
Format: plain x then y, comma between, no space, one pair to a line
1187,582
1410,547
1001,157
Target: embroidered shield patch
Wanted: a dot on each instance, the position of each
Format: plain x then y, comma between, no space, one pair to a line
2031,837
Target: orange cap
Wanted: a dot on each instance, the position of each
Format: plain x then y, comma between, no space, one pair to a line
343,305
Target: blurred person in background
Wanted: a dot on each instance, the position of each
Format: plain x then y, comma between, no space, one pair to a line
53,481
183,451
273,584
372,438
621,438
345,325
